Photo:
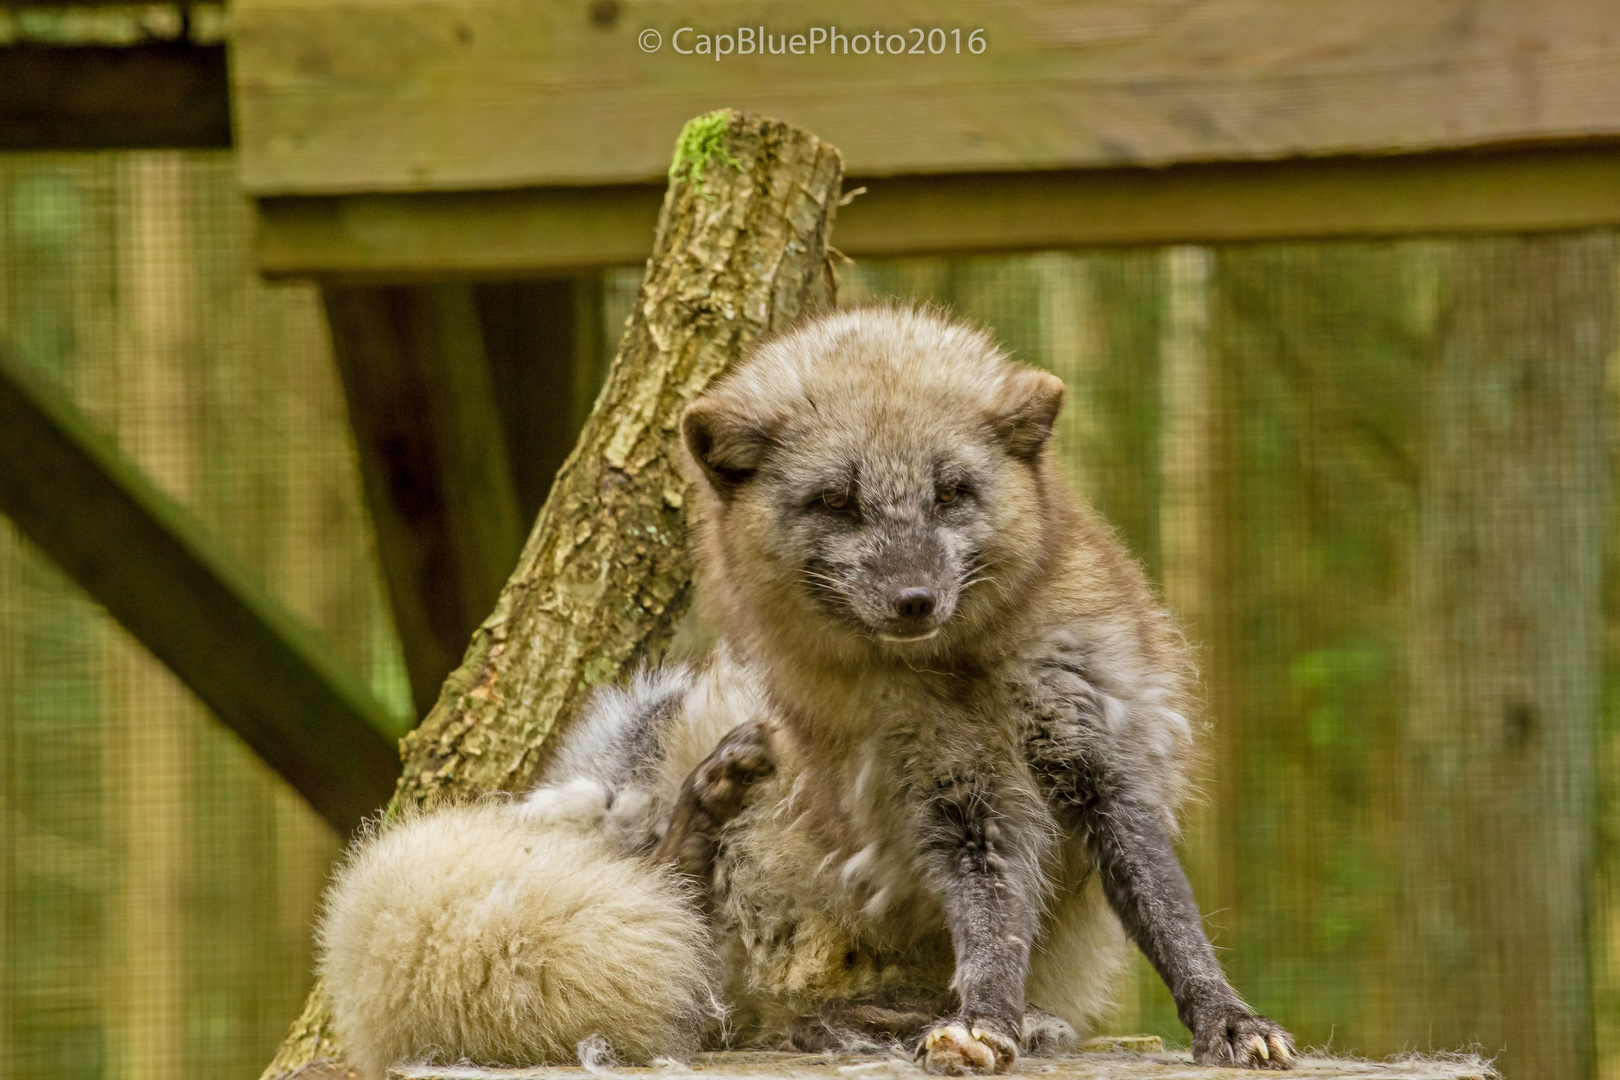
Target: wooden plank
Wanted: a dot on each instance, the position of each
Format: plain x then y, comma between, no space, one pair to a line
539,231
431,236
150,95
1548,189
140,555
338,96
433,462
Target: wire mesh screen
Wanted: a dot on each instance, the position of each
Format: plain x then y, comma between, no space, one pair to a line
1374,481
157,882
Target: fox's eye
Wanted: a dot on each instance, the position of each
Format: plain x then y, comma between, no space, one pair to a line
838,500
946,494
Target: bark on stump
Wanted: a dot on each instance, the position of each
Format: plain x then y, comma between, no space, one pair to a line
740,252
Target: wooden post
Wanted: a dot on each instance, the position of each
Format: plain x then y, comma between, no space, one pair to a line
149,753
143,556
433,462
605,573
1506,641
543,341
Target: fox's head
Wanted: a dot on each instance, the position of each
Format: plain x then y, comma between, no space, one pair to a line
873,480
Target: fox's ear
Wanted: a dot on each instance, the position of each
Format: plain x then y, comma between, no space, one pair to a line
1025,410
726,444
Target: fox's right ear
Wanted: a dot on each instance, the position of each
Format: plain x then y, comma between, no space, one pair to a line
728,446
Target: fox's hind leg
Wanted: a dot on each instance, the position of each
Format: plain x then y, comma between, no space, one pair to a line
841,1024
712,795
1045,1035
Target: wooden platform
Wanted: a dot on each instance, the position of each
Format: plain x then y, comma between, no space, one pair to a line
1124,1061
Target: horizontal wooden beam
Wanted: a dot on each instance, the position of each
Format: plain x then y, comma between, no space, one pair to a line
349,96
170,94
388,238
1531,190
143,557
548,231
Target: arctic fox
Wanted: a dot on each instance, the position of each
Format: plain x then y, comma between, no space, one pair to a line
924,789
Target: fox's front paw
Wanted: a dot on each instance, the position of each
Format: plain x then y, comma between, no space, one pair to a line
955,1047
1242,1040
742,759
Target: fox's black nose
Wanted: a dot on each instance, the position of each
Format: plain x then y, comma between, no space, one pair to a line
914,603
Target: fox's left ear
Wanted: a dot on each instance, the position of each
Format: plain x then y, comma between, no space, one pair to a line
725,442
1025,410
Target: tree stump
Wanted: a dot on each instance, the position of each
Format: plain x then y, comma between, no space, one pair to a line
740,252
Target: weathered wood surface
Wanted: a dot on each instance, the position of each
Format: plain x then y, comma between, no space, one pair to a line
373,95
265,674
1119,1065
551,230
605,573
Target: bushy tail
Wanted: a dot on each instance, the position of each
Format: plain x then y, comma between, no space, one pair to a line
480,933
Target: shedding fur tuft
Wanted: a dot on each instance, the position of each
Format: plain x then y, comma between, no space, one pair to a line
486,934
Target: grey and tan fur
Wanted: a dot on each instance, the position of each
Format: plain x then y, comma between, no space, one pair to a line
926,787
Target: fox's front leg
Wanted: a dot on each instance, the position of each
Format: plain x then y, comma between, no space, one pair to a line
712,795
1145,885
990,886
1129,838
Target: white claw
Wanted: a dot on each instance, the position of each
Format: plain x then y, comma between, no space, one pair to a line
1260,1048
1282,1047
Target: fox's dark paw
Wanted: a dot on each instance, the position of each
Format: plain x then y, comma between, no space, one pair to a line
712,795
1242,1040
957,1047
742,759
